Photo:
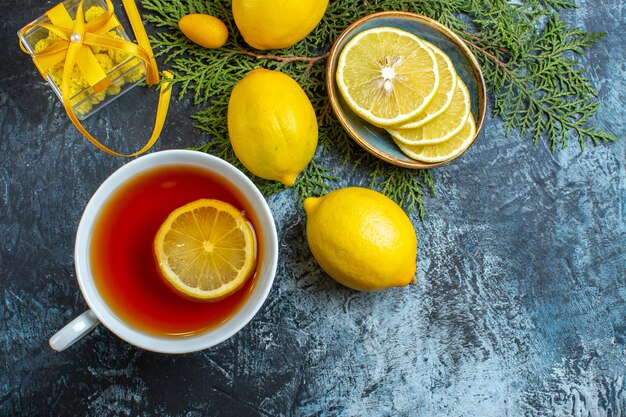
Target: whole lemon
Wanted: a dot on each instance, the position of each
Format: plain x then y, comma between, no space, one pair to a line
273,24
272,125
205,30
362,239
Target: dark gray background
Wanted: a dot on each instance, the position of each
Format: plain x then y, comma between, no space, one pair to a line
519,309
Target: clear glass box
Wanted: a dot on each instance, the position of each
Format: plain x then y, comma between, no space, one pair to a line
123,71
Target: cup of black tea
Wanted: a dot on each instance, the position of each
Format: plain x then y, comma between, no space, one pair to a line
115,262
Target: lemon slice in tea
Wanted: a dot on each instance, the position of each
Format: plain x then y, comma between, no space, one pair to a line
205,250
387,75
441,128
445,93
444,151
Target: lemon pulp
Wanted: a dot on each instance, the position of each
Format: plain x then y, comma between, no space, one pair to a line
205,249
387,75
443,151
441,128
445,93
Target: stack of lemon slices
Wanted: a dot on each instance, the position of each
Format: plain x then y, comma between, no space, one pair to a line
398,81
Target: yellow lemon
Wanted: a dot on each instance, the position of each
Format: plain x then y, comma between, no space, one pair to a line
274,24
272,125
362,239
204,30
205,249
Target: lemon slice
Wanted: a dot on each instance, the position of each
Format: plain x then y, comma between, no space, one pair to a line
443,98
387,75
444,151
443,127
205,249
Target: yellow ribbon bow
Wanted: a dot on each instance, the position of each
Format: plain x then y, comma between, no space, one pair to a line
73,47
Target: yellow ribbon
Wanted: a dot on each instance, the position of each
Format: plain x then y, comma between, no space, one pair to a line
75,38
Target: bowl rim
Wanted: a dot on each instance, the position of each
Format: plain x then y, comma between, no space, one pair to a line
456,39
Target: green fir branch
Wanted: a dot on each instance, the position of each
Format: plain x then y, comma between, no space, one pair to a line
528,54
538,87
406,187
315,180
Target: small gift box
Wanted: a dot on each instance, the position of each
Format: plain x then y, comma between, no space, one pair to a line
122,71
82,50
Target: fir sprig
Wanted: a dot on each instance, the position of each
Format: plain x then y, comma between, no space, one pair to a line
527,52
528,58
403,185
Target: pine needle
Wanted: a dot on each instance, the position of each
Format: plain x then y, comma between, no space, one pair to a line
529,58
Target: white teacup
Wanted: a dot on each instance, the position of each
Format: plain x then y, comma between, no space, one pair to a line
100,312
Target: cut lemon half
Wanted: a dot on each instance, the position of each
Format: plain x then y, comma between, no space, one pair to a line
443,127
387,75
443,98
206,249
443,151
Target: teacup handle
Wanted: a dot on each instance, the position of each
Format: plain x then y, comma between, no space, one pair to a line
74,331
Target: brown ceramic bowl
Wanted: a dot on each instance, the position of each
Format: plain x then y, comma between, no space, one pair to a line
376,140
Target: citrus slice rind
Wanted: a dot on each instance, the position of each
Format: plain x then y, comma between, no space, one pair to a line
441,128
387,75
445,93
444,151
205,250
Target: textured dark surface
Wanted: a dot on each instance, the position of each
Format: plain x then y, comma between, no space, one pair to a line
519,309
